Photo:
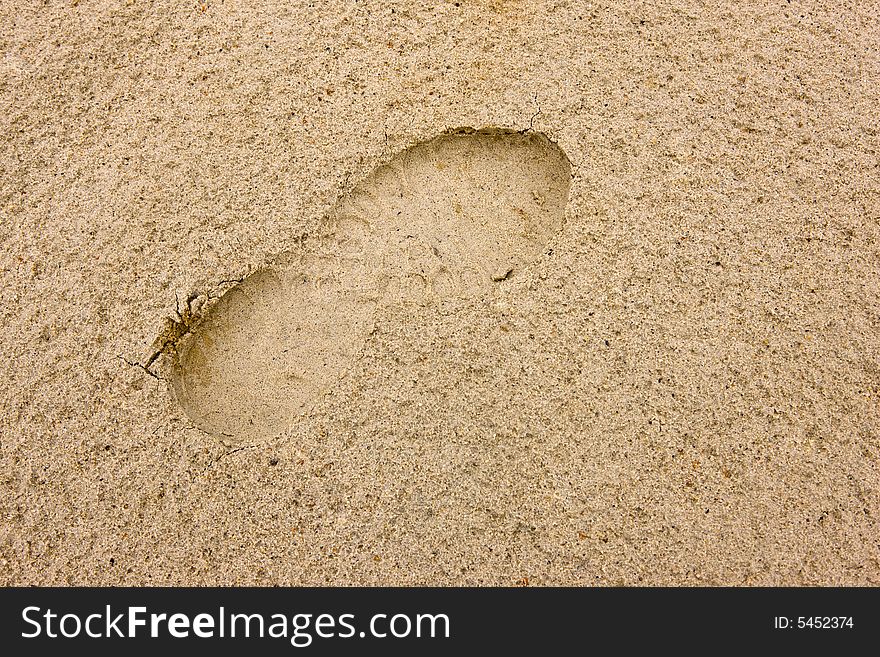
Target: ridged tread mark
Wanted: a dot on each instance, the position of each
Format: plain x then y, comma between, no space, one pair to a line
446,218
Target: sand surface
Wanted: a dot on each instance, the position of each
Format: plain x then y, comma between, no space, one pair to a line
472,292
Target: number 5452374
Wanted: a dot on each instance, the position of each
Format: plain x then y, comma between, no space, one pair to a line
824,622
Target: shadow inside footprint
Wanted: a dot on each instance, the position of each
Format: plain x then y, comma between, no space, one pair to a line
446,218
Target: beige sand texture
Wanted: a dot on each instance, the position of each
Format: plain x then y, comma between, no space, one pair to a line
471,292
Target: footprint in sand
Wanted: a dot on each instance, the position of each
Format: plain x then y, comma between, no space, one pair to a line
446,218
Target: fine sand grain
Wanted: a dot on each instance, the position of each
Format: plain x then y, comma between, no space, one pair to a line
472,292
